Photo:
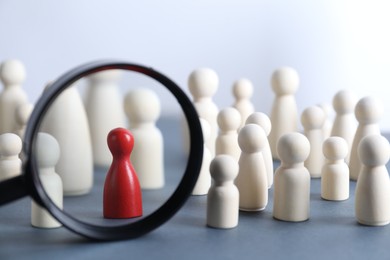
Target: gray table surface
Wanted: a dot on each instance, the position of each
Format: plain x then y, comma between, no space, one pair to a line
331,231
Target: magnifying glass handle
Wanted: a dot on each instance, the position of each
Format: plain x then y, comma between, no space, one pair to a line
12,189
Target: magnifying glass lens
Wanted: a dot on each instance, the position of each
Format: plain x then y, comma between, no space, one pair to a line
109,148
101,143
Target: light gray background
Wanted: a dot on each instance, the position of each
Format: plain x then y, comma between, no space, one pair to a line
332,44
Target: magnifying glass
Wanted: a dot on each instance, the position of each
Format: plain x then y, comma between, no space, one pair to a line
29,183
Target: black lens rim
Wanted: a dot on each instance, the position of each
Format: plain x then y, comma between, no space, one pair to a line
148,223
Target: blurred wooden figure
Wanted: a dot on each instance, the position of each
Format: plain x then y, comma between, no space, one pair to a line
284,112
335,172
47,154
372,194
103,104
368,112
229,120
292,179
223,195
10,148
66,120
23,113
142,107
242,92
203,84
252,177
263,120
313,119
204,180
344,124
12,75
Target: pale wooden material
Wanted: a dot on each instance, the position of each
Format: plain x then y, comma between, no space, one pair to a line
263,120
223,195
313,119
372,193
292,179
23,113
242,92
344,124
142,107
284,113
66,120
252,177
335,172
47,153
12,75
204,180
229,121
328,124
203,84
10,148
368,112
103,104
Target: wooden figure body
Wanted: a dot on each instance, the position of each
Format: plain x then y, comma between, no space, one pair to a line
223,195
48,154
22,115
263,120
104,109
313,119
10,148
242,92
66,120
122,197
284,113
344,124
12,75
252,177
292,179
328,124
229,120
372,194
368,112
204,180
335,172
142,107
203,84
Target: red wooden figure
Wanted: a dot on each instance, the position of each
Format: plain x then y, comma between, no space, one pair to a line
122,196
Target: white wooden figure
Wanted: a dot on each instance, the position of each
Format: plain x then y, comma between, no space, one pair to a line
104,109
66,120
142,107
284,113
252,177
263,120
203,84
204,180
223,195
12,75
372,194
242,92
328,124
10,148
23,113
229,121
368,112
344,124
47,154
335,172
292,179
313,119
